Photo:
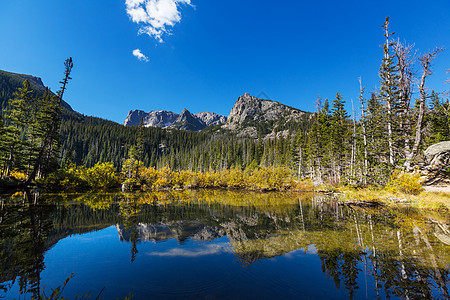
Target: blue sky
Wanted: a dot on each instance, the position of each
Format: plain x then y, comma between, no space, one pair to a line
203,54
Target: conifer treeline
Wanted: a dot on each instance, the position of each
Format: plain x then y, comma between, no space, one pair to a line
30,132
88,140
392,129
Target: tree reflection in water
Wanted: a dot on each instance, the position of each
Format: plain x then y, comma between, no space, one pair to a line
400,253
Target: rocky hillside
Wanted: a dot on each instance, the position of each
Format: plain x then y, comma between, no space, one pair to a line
168,119
210,118
10,82
187,121
253,117
159,118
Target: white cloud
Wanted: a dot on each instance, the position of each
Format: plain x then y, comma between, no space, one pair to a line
211,249
140,55
156,17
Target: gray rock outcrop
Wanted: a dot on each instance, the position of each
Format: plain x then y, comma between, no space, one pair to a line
187,121
211,118
168,119
158,118
250,114
438,155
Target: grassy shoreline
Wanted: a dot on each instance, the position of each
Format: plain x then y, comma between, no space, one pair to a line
436,201
402,189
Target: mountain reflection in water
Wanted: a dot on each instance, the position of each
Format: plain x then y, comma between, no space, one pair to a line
275,243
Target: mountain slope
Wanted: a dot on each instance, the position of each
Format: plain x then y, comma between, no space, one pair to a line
168,119
211,118
250,117
187,121
253,117
159,118
10,82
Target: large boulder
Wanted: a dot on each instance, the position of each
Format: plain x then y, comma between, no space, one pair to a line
438,155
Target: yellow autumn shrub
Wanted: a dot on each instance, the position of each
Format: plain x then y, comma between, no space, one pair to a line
404,182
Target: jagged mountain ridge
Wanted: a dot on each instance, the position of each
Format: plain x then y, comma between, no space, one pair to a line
211,118
253,117
250,117
159,118
168,119
187,121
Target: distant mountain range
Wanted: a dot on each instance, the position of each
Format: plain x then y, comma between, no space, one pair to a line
250,117
168,119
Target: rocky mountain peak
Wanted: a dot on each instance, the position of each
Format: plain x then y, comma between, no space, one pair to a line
211,118
167,119
187,121
159,118
249,114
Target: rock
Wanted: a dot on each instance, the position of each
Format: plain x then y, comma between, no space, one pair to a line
210,118
253,117
165,119
159,118
438,155
187,121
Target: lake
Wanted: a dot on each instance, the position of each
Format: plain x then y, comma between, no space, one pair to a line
216,244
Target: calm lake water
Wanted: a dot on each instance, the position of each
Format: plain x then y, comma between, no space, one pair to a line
219,245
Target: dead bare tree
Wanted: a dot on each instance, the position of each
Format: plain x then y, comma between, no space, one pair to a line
363,123
425,60
405,60
388,83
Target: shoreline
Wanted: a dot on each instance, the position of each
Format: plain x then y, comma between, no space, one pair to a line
434,198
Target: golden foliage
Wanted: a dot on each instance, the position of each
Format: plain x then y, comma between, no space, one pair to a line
408,183
18,175
263,178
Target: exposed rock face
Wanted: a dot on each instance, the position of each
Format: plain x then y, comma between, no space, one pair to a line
159,118
438,155
250,114
210,118
187,121
183,121
250,117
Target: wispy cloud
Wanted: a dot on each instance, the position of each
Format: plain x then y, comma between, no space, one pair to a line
140,55
156,17
212,249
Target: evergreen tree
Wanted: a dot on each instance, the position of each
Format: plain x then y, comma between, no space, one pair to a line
140,145
16,134
340,133
439,120
51,112
389,92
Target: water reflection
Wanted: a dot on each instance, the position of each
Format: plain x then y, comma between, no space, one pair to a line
400,253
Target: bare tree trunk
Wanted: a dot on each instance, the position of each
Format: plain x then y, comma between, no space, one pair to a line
353,157
404,62
301,212
363,124
389,100
437,273
426,60
300,165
